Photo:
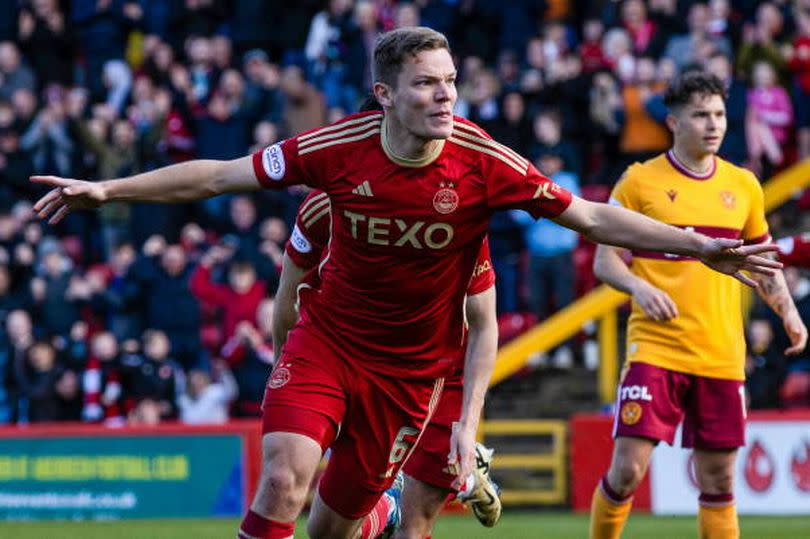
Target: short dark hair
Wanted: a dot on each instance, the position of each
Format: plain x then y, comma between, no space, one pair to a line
392,49
682,89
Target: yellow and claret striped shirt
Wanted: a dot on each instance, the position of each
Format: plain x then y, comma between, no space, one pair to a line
706,338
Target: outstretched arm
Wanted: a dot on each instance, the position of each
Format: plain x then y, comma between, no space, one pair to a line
482,347
774,291
613,225
183,182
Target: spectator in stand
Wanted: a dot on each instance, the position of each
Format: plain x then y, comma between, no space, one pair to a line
325,50
203,75
206,401
117,80
101,381
47,41
760,43
153,375
794,371
14,74
798,58
239,299
48,138
735,147
24,102
47,391
146,413
222,52
102,28
161,278
10,298
590,50
15,167
642,30
249,353
58,291
262,93
685,49
550,246
15,338
304,105
764,365
604,111
643,133
770,117
548,140
513,128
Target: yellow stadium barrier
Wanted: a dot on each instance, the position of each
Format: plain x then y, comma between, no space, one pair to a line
521,466
601,303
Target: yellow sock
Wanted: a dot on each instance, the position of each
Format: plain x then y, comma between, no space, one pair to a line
718,522
607,516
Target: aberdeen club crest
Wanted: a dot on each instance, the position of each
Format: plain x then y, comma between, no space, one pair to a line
446,199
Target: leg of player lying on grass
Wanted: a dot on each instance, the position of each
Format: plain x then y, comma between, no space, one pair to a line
413,189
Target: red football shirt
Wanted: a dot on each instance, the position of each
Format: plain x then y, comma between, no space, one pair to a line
405,236
795,250
311,234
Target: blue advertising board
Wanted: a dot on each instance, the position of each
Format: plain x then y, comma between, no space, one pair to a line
112,477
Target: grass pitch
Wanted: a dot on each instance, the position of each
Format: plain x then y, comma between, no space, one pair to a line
513,525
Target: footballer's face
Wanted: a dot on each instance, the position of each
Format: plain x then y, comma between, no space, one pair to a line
700,125
423,99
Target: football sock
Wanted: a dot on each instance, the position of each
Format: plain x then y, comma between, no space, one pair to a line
609,512
255,526
717,517
375,522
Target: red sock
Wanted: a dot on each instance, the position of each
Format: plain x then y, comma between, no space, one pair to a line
255,526
375,522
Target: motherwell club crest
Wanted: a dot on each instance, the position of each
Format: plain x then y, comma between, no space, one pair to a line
630,413
729,199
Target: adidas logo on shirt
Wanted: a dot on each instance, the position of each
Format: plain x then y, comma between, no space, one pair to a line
364,189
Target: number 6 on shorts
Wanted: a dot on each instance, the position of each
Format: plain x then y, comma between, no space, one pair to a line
403,443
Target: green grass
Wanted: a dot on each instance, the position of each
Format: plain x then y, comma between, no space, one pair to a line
513,525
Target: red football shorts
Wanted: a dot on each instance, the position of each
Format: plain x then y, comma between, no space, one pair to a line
652,402
428,463
370,421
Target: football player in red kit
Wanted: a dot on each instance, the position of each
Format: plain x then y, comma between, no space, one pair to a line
412,190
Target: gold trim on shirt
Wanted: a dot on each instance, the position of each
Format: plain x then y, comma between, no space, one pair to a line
433,154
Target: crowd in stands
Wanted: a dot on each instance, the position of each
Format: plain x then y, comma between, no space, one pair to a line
139,312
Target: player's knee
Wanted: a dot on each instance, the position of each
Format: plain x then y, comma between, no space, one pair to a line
284,488
716,480
626,476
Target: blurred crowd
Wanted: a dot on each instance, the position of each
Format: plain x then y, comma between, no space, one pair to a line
139,312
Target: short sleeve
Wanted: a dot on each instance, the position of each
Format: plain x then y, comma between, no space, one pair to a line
311,231
755,229
281,165
483,277
513,184
625,192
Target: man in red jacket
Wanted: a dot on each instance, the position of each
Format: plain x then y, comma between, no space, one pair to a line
239,299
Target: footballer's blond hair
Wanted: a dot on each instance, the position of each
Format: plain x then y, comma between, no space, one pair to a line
395,47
